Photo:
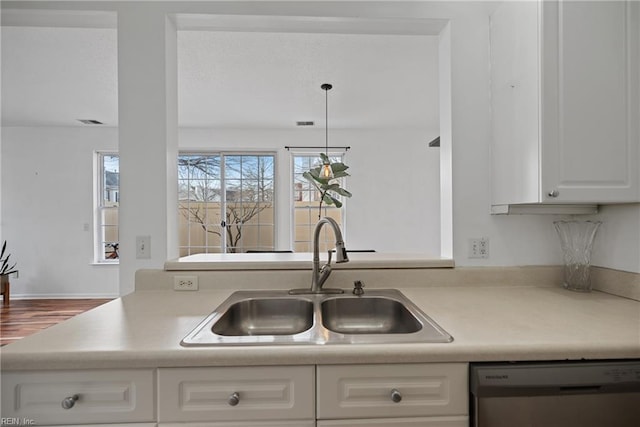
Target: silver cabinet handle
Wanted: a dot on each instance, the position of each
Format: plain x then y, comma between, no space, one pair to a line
396,396
69,402
233,399
553,193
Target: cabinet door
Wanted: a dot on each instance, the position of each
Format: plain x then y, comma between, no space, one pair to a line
236,394
373,391
79,397
400,422
589,101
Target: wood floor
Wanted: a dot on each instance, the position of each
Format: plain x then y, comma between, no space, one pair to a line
25,317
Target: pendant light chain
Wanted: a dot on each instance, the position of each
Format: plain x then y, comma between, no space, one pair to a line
326,121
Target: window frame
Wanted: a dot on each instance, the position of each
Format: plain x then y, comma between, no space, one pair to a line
223,199
326,239
100,208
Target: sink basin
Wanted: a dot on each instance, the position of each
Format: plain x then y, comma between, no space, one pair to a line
381,316
267,316
368,315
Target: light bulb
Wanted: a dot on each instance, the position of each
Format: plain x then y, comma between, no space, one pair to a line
326,172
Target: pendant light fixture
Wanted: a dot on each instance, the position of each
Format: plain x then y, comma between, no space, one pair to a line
326,172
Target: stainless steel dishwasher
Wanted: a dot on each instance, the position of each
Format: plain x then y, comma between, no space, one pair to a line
555,394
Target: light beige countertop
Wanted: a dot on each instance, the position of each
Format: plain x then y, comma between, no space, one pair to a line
488,323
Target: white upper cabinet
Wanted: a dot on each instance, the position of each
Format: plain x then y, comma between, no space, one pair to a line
565,103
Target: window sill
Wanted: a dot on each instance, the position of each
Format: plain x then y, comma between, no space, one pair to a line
301,261
116,263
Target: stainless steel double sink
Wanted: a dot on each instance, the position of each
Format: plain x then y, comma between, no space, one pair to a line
276,317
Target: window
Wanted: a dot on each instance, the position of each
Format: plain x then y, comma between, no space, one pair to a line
306,207
108,200
226,202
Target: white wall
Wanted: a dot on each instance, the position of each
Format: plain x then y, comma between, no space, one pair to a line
47,215
617,244
403,209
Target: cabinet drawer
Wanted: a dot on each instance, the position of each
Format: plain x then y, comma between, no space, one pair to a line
109,396
372,391
107,425
247,393
400,422
304,423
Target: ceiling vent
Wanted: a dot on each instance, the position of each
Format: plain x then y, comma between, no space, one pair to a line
304,123
90,122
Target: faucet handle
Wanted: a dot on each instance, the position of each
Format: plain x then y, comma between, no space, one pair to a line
329,256
341,252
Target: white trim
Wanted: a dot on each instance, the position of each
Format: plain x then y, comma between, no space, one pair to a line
112,263
548,209
310,24
98,186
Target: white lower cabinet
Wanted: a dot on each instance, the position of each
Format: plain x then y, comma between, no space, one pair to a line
237,396
79,397
392,395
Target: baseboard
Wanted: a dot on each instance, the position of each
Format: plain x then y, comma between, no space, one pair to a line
62,296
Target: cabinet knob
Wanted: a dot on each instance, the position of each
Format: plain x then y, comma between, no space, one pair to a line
69,402
396,396
233,399
553,193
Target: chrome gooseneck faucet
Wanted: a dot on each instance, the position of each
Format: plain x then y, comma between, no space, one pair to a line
321,274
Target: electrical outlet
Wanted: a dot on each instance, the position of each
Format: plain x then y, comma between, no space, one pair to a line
479,247
185,283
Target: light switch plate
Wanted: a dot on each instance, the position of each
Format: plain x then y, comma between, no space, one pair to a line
143,247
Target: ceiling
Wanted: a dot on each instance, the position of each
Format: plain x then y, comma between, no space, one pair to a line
53,76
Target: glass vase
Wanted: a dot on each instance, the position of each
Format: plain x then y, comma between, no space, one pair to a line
576,240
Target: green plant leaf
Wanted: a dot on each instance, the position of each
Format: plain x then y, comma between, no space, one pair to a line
4,247
5,266
308,176
328,199
332,187
340,175
343,192
317,182
338,167
315,175
326,186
